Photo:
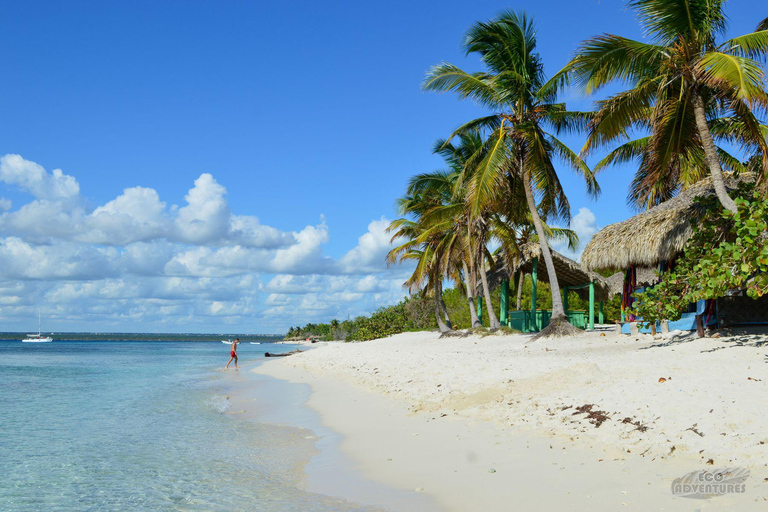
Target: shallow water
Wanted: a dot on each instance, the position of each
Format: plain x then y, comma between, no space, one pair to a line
141,426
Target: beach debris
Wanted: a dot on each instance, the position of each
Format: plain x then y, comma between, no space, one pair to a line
596,418
710,462
695,430
269,354
419,489
491,470
662,379
754,379
638,426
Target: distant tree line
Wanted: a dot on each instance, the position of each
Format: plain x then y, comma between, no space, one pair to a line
416,313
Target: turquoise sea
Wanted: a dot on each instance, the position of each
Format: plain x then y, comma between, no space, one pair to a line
141,426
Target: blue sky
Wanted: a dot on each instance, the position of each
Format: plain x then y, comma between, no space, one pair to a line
301,121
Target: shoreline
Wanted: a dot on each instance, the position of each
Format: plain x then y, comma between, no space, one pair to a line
257,396
453,446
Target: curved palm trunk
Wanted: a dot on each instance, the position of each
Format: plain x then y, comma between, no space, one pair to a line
520,282
438,293
468,281
557,300
445,310
710,152
493,321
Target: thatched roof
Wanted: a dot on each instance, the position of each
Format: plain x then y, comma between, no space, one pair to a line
569,272
653,236
644,276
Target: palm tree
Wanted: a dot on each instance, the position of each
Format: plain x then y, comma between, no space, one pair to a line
423,246
512,238
519,151
679,83
660,175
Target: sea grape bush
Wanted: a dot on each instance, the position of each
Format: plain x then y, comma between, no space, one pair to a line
728,251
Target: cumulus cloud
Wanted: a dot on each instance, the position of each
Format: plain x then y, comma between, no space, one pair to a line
584,223
32,178
138,263
371,250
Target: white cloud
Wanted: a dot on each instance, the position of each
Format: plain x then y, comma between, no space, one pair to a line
33,178
205,219
138,263
584,223
371,250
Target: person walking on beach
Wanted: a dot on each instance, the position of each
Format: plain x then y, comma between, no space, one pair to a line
233,353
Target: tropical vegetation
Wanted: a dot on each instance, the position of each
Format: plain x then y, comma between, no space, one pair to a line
691,108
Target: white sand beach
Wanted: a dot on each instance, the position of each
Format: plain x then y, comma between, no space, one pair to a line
493,423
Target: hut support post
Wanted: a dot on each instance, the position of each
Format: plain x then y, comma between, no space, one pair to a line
534,285
480,309
600,315
565,299
592,305
699,326
504,303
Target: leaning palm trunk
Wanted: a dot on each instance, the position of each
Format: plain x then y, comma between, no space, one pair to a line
493,321
559,326
557,301
710,152
438,292
520,282
445,310
469,282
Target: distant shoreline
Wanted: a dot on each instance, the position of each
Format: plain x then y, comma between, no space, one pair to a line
127,336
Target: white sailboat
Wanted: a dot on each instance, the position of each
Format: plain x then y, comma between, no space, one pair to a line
37,338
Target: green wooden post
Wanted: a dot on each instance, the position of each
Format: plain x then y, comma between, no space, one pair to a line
592,305
534,285
480,309
504,303
565,300
600,316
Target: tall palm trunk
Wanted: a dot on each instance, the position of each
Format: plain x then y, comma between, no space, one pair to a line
445,309
710,152
520,282
493,321
438,293
557,300
468,281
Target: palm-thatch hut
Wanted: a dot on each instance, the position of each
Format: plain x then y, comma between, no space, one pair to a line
643,246
571,276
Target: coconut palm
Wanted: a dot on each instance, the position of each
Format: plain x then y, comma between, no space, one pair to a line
424,245
660,177
513,238
678,84
519,151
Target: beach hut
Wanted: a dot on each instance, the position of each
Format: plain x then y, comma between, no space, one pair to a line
643,246
571,276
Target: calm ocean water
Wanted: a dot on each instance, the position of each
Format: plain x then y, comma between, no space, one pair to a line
140,426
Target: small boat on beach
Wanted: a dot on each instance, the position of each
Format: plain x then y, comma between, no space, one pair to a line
37,338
